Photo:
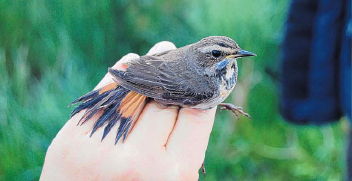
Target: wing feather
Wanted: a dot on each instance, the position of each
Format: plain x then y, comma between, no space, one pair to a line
166,81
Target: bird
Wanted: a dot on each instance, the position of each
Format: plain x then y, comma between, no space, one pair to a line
199,75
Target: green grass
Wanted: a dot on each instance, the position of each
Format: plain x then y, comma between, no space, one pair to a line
54,51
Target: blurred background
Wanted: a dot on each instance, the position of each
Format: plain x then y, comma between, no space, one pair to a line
54,51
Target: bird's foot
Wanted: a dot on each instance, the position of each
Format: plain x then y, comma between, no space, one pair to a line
236,110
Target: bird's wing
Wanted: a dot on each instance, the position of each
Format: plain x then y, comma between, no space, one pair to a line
168,81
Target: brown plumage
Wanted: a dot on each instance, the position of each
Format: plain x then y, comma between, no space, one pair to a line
200,75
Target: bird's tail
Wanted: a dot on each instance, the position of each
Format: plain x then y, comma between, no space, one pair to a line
116,103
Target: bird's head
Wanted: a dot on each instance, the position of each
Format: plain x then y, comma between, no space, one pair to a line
218,54
215,49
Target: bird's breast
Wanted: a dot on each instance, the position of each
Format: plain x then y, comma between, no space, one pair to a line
227,81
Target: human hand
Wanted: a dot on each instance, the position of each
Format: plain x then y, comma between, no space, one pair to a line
167,143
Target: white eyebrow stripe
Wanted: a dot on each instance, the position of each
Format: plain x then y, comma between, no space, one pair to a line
208,49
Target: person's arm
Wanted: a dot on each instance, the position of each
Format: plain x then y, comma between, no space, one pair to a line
167,143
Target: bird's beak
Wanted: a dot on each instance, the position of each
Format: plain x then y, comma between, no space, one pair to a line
242,53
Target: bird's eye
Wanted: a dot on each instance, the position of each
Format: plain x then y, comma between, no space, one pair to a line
216,53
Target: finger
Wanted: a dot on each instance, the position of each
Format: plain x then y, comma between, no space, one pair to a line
189,139
154,126
155,123
120,65
161,47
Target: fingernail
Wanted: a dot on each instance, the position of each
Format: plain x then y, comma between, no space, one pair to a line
161,47
125,59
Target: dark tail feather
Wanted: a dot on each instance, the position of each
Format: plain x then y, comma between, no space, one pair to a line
110,125
86,97
112,99
123,129
88,103
116,104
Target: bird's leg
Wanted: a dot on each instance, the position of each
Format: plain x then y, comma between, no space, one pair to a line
235,109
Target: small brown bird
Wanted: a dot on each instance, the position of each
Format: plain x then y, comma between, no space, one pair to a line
200,75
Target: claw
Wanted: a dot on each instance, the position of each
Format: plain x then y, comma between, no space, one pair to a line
203,169
223,108
236,110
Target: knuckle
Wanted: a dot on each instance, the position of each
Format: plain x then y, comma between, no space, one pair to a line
132,55
166,44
